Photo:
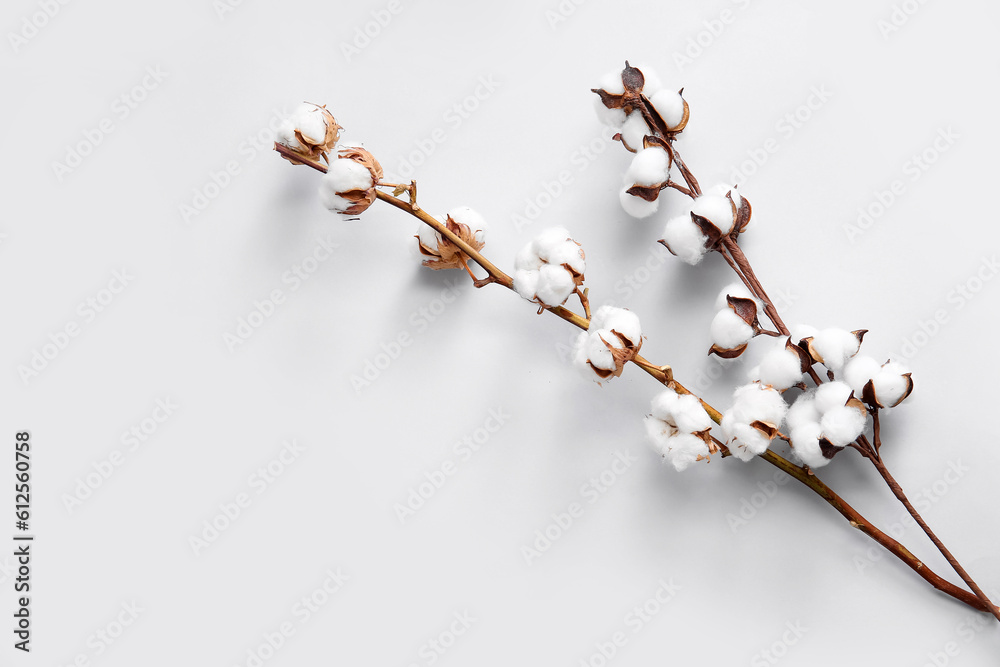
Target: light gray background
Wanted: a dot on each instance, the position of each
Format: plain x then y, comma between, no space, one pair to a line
226,75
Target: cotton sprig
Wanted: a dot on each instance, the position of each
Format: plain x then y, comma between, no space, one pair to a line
735,323
678,429
710,218
439,252
611,341
831,347
550,268
633,99
824,421
311,131
879,385
753,421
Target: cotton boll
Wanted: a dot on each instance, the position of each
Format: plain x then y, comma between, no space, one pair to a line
527,260
637,207
626,323
650,166
285,135
670,106
464,215
569,253
746,442
753,402
633,131
597,349
780,368
735,290
729,331
831,395
548,240
718,210
580,358
842,425
685,239
663,404
859,371
836,346
554,285
805,445
803,411
659,433
428,236
526,283
690,415
889,384
800,331
614,118
684,449
344,176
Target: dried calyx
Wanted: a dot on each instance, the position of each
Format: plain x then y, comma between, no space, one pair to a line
439,252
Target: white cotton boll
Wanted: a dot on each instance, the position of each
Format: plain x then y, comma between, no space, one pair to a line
684,449
746,442
659,433
285,135
843,425
663,404
729,331
669,105
569,253
548,240
527,259
597,349
650,166
805,445
637,207
830,395
554,285
717,209
690,415
428,237
614,118
803,411
889,383
859,371
780,368
735,290
633,131
753,402
310,120
800,331
612,83
526,283
344,176
580,359
685,239
836,346
465,215
626,323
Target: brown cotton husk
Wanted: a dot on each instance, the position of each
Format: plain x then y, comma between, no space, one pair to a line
313,149
447,255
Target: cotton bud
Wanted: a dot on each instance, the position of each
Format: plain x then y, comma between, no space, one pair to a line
348,186
783,366
626,98
311,131
754,420
733,327
439,251
833,347
612,340
889,387
646,176
824,421
634,131
734,289
717,210
811,447
550,268
685,239
679,429
672,108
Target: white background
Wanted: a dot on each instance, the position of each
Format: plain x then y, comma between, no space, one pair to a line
226,76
